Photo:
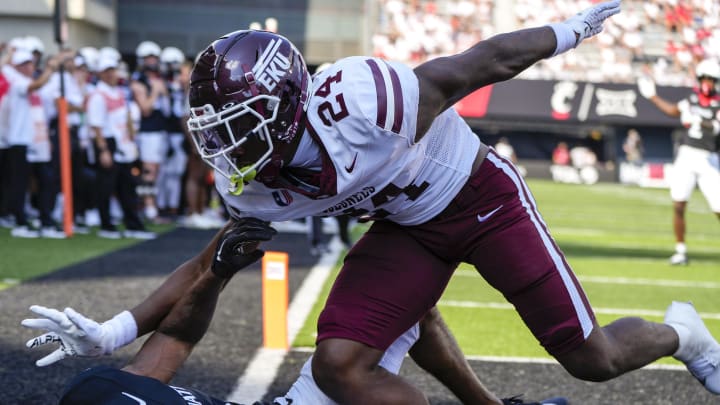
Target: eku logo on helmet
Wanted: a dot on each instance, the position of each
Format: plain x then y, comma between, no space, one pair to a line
272,66
282,198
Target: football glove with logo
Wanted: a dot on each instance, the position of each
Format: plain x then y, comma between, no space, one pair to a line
77,335
238,247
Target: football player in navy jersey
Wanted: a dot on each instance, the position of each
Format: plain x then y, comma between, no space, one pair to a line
378,140
696,160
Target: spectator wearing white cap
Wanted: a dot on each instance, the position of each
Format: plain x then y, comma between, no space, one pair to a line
85,197
109,118
23,123
169,181
151,95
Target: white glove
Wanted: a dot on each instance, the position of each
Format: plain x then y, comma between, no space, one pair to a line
646,87
78,335
584,24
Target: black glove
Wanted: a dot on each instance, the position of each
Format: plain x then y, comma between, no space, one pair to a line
238,247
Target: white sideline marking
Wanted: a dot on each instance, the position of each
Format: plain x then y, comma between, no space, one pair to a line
540,360
649,282
604,311
253,384
627,281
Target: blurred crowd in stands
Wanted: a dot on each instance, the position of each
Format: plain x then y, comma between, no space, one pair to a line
131,158
664,38
133,162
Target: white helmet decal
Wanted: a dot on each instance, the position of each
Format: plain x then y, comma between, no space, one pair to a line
271,67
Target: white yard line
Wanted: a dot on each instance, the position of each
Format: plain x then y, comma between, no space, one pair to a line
649,282
252,385
540,360
627,281
604,311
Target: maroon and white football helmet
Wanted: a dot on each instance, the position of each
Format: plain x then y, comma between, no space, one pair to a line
247,84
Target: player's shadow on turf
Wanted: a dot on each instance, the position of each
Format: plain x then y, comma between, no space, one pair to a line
587,250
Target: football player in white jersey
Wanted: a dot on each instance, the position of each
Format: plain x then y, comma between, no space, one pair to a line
378,140
696,161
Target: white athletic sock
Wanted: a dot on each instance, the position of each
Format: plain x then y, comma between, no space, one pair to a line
681,248
304,391
395,354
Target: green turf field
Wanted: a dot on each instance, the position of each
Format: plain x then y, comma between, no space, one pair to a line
26,258
618,240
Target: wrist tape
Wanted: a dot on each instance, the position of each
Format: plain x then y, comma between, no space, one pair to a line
122,329
566,37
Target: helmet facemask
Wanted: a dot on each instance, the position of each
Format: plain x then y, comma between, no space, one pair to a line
218,135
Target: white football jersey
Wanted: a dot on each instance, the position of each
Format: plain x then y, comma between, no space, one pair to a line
362,116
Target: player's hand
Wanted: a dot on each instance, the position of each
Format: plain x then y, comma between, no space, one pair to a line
589,22
238,247
74,333
646,87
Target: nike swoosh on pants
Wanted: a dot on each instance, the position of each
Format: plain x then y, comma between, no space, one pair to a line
483,218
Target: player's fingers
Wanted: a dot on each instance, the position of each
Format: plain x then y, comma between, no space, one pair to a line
43,340
85,324
610,8
609,12
51,358
42,324
52,314
609,4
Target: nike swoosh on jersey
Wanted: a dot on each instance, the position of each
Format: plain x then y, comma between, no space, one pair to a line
352,165
139,401
483,218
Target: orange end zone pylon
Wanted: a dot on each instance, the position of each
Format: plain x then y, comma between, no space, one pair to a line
275,300
65,166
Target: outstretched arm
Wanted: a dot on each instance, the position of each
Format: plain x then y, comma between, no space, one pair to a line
149,313
665,106
444,81
234,248
188,320
646,87
165,351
